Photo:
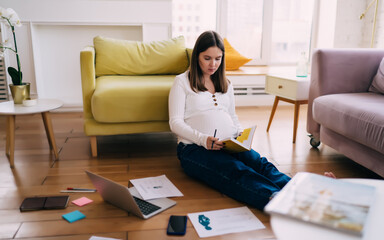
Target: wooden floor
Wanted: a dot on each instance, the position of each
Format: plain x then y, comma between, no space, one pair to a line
123,158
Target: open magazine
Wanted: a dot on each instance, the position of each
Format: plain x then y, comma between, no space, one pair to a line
242,143
325,201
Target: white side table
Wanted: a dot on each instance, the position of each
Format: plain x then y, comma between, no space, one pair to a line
287,88
285,228
43,106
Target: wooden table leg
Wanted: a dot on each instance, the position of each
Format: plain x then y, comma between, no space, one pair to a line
49,131
93,140
7,136
10,140
296,120
273,112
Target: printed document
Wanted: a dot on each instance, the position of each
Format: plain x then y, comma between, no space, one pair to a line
233,220
156,187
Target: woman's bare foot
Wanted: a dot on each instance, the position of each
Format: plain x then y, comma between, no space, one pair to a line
329,174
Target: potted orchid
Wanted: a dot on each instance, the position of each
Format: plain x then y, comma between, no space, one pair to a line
19,90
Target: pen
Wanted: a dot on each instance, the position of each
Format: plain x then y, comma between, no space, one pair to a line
214,135
76,191
82,189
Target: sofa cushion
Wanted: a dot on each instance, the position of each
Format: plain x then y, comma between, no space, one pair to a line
357,116
123,57
233,59
377,85
131,98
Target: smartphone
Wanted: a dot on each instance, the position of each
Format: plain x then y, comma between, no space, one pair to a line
177,225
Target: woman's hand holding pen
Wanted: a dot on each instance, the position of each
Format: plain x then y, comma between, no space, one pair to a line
213,143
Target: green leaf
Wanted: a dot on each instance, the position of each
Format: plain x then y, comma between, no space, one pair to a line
16,76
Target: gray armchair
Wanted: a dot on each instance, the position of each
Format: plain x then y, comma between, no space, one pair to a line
342,113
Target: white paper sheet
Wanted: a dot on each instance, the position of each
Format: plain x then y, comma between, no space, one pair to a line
156,187
102,238
233,220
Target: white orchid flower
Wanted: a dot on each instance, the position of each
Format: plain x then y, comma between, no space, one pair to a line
15,21
13,17
10,15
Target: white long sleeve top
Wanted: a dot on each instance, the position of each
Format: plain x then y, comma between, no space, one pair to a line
193,116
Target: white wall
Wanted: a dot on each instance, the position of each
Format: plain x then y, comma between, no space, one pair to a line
349,29
379,31
54,32
339,25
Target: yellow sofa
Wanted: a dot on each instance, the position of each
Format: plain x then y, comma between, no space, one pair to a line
126,84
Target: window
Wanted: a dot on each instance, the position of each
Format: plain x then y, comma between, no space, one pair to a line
291,29
242,23
201,15
268,31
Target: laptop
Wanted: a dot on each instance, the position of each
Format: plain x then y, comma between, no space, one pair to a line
128,199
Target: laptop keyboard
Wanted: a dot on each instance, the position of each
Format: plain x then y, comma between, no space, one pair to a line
145,207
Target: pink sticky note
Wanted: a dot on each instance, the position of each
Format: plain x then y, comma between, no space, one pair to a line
82,201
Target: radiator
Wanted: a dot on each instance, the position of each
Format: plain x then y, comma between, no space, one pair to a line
249,90
3,82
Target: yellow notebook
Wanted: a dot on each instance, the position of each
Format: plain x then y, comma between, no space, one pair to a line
242,143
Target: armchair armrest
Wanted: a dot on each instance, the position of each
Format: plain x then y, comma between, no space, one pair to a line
88,78
340,71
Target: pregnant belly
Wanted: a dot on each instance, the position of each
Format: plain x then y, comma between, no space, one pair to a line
209,121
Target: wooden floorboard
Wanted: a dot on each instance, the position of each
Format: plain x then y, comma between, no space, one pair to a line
126,157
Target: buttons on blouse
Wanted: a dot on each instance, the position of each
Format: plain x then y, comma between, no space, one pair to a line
214,99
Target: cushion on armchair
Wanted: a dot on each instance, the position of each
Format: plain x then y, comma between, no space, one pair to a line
123,57
377,85
356,116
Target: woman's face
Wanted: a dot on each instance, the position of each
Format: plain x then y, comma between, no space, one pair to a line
210,60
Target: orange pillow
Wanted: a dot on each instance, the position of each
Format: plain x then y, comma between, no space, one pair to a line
233,59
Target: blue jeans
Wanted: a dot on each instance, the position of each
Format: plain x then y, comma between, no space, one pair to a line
244,176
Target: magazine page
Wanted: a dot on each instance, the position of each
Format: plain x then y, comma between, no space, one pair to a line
325,201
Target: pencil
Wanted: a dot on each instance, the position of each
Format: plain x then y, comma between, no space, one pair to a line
214,135
82,189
